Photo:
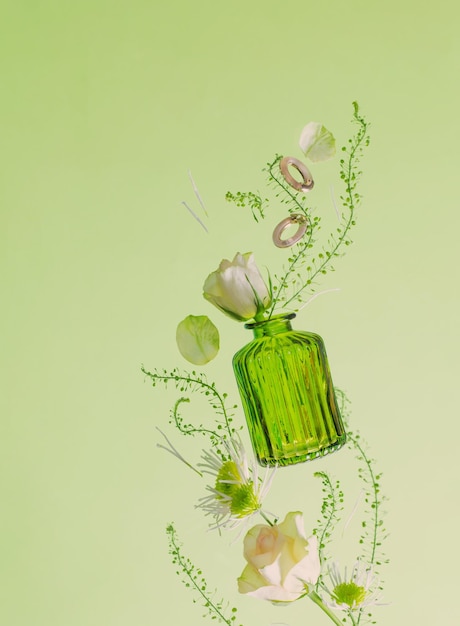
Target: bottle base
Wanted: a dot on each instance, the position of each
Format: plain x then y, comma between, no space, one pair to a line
302,457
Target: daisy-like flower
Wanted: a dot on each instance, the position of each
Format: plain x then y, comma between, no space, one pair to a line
352,592
238,491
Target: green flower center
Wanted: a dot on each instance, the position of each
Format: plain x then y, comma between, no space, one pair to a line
228,479
349,593
243,500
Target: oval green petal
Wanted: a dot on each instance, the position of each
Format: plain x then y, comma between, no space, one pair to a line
197,339
317,142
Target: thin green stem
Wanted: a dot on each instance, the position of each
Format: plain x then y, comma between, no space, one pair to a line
188,571
354,623
327,259
314,597
206,388
269,522
290,270
188,430
283,283
329,510
327,482
350,200
375,503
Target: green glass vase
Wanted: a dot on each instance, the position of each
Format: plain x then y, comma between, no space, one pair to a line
287,394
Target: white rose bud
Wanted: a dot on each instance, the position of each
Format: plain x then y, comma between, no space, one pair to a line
237,288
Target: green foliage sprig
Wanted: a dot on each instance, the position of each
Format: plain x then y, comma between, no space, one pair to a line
373,532
303,270
253,200
331,508
192,578
194,382
305,266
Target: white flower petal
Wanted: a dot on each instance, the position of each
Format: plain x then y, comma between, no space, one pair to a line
291,562
274,593
197,339
308,569
316,142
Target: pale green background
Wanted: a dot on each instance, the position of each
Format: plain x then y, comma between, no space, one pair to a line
104,108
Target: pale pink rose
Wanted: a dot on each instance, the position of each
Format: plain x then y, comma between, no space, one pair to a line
282,562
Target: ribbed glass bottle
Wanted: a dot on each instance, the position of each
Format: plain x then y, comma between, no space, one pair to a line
287,394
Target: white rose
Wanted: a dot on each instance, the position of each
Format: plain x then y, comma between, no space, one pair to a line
237,288
281,561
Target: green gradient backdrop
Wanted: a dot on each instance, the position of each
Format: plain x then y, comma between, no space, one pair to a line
104,108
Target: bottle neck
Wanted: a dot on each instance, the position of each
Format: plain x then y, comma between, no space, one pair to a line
273,326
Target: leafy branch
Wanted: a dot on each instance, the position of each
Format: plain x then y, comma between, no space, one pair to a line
330,509
301,275
192,383
193,579
373,531
248,198
321,263
292,277
372,534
